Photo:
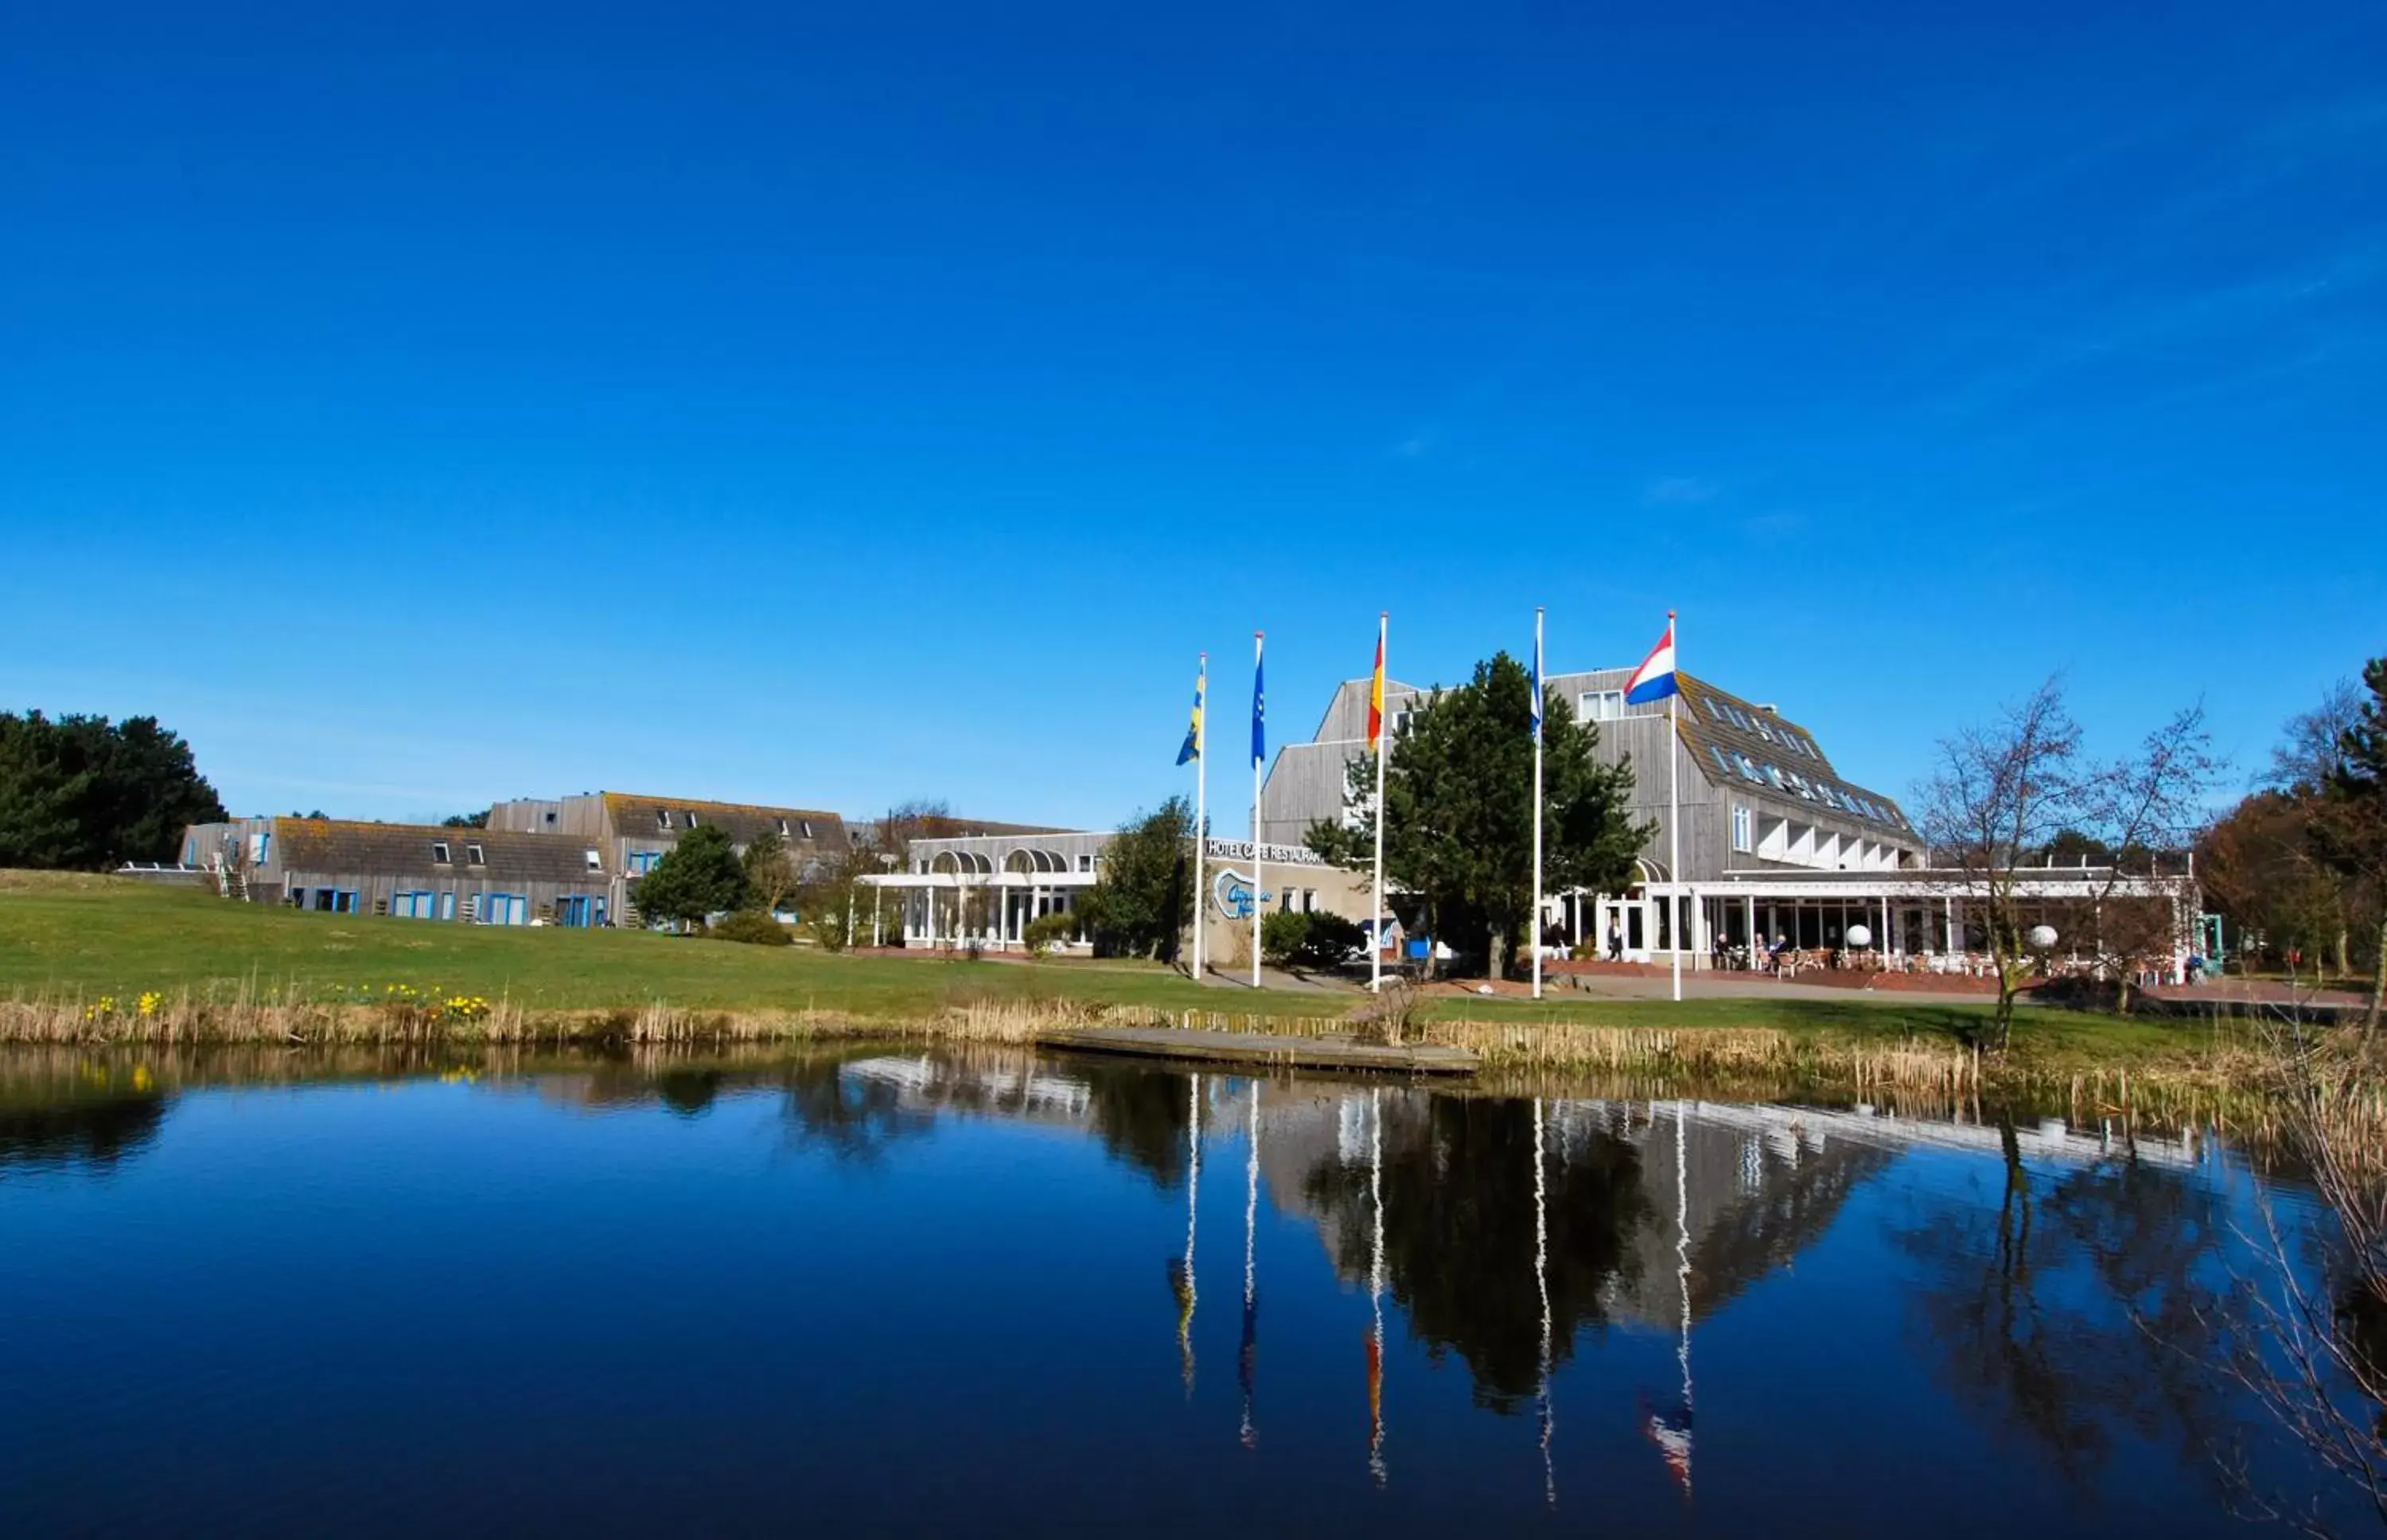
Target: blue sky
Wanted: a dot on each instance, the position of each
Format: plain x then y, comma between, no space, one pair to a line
421,405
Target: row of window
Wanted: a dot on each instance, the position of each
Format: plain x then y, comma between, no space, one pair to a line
789,829
1763,724
1731,761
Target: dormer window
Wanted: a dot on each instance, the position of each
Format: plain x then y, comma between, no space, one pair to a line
473,855
662,818
783,828
439,852
807,825
595,861
691,820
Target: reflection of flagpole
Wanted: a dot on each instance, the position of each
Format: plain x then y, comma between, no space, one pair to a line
1246,1363
1376,1288
1186,1294
1542,1281
1683,1272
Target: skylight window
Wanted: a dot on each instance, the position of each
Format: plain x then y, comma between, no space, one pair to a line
439,852
473,856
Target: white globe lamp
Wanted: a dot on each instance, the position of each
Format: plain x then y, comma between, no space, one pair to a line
1860,936
2042,936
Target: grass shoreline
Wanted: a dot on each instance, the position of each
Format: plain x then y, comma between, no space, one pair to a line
98,961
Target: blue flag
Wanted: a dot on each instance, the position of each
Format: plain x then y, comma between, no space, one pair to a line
1192,745
1537,681
1259,706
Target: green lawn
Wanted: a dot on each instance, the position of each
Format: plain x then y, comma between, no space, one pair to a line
67,936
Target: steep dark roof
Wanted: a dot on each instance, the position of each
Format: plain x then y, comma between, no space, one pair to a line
636,817
1716,721
336,846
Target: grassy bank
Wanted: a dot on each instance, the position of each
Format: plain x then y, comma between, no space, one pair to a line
96,960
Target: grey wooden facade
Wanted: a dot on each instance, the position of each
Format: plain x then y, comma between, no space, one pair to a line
411,871
630,832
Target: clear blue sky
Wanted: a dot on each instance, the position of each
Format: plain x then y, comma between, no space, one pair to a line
417,405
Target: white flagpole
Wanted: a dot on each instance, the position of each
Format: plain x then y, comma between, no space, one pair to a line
1534,924
1259,709
1674,806
1201,810
1376,923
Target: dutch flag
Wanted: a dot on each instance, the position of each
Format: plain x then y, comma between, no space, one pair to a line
1654,680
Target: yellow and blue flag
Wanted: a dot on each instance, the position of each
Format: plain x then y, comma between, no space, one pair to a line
1192,748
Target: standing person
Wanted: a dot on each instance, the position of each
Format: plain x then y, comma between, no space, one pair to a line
1615,940
1717,951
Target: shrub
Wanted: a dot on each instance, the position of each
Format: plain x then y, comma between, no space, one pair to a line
1283,934
1046,932
753,926
1330,941
1318,939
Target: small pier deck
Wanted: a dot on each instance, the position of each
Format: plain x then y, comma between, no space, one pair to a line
1265,1049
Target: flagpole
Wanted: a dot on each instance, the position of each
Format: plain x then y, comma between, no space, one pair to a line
1201,808
1674,805
1376,921
1533,931
1260,715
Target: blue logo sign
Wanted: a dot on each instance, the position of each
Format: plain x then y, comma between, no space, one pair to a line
1232,893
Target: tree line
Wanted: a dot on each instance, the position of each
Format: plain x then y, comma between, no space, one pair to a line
83,793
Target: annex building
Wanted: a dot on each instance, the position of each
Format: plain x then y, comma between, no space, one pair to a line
566,861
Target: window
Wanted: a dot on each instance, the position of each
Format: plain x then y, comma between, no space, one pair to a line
447,906
473,855
261,845
1741,829
783,828
1085,863
595,861
190,853
1401,722
643,862
691,820
1763,730
1721,764
806,824
1602,706
550,817
1714,709
1799,783
1748,766
1774,774
440,854
662,818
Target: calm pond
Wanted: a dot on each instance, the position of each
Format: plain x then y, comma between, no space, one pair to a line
878,1291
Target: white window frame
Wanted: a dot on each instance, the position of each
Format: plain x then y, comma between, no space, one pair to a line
595,859
442,854
1744,832
474,854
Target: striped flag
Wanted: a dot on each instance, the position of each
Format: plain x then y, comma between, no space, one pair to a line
1376,701
1654,680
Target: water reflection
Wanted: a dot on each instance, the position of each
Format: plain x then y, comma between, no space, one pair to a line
95,1132
2019,1305
2042,1282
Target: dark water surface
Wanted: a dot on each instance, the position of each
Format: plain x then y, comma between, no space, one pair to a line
878,1292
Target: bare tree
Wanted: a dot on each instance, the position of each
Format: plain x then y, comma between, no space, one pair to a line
2003,792
2307,753
2153,802
891,835
2312,1344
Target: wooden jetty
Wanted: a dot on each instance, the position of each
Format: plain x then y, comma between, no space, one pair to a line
1265,1049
